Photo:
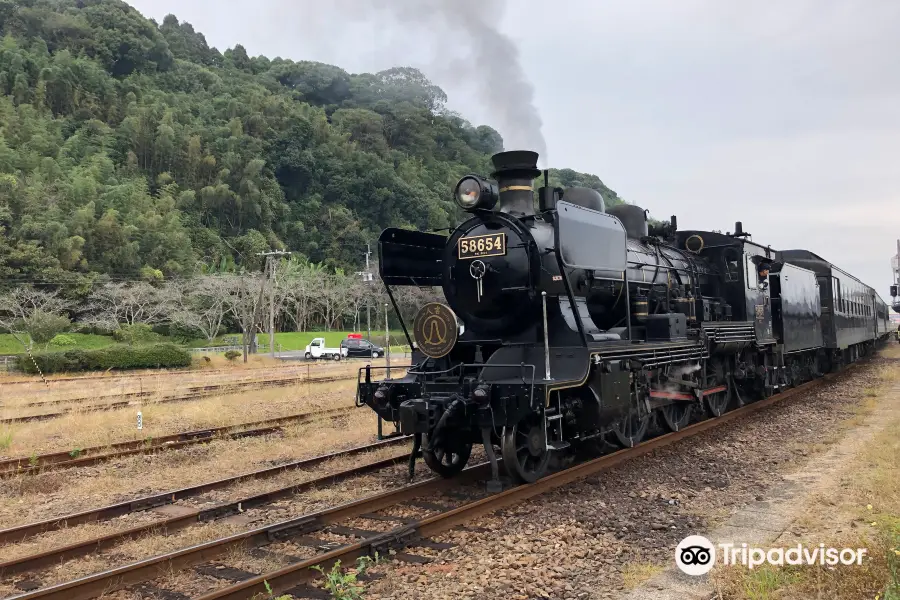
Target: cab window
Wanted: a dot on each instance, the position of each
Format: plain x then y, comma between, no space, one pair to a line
752,278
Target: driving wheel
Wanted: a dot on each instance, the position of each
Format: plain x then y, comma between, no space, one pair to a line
524,450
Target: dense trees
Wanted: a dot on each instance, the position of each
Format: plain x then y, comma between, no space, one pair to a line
307,295
136,152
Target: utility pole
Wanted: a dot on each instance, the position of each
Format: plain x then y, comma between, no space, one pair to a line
270,270
368,296
367,279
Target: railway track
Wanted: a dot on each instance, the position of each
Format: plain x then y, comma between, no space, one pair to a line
192,394
154,373
293,375
458,502
190,517
97,454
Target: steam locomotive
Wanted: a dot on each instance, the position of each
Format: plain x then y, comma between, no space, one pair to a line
568,326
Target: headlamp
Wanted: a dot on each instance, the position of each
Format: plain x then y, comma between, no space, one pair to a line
473,193
482,394
381,394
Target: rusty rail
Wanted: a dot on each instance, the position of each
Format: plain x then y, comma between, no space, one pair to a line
96,454
22,532
173,524
193,394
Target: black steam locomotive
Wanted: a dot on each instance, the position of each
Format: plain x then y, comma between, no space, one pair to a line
568,326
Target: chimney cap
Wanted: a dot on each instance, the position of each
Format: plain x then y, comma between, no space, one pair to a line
524,161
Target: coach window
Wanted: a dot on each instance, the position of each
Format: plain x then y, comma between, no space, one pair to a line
836,294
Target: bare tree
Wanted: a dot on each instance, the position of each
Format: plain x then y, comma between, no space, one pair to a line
410,299
200,304
243,297
357,292
302,283
112,304
334,298
27,311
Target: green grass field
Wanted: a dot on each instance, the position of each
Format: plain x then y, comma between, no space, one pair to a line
9,344
287,340
292,340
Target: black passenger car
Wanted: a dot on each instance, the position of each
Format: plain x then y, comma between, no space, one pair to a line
357,347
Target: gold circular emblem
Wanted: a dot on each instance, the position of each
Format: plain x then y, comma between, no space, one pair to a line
435,330
694,244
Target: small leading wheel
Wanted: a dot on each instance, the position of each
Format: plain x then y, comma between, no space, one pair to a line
524,450
676,416
630,431
446,462
374,355
307,356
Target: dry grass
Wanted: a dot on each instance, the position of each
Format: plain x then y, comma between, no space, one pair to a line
859,510
27,498
88,429
6,438
634,574
57,394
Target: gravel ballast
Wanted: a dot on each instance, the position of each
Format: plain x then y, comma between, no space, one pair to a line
603,536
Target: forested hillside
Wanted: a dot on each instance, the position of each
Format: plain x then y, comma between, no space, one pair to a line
132,150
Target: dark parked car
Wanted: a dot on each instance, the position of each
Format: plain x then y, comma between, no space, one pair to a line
356,347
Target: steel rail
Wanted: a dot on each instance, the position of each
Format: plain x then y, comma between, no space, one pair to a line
176,523
96,454
138,375
175,392
299,573
97,584
23,532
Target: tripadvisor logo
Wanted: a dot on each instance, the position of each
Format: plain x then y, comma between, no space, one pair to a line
696,555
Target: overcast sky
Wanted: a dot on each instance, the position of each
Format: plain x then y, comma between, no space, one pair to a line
784,115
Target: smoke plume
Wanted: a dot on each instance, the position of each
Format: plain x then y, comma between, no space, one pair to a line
467,50
676,374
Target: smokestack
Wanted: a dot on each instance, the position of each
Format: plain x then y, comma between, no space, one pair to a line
515,172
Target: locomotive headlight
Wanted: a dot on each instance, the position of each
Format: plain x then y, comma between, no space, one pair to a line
473,192
381,395
482,394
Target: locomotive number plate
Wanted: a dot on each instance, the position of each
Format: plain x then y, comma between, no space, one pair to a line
477,246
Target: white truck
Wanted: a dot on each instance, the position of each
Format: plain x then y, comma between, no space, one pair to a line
317,349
